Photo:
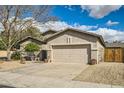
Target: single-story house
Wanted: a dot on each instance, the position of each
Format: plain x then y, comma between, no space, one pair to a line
70,45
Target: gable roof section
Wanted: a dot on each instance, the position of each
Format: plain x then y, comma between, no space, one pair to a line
52,31
30,38
80,31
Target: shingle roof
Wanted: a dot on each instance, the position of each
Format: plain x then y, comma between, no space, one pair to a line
68,29
81,31
29,37
114,44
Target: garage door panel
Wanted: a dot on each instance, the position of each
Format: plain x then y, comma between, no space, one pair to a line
75,53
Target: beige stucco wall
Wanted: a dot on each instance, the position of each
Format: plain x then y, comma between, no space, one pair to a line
100,51
76,39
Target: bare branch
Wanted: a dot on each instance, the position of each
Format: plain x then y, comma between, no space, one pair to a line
13,19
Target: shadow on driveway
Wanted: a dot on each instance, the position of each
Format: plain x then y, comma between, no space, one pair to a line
5,86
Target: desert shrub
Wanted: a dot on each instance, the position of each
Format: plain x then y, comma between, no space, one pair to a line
16,55
32,47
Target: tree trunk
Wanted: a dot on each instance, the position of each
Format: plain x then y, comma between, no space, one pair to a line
8,54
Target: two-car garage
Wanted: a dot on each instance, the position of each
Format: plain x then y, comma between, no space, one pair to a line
75,46
71,53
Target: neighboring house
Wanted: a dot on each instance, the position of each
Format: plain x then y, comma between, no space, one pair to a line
70,45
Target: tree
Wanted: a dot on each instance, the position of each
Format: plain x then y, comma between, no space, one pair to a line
13,20
2,47
32,31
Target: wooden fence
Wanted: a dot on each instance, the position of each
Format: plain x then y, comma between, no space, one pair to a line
114,55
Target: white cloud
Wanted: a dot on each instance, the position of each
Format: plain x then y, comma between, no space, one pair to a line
58,25
69,7
110,34
99,11
84,27
53,25
110,23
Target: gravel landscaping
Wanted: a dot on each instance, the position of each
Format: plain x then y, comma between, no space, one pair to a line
4,65
106,73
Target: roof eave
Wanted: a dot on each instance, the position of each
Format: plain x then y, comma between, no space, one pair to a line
18,42
48,31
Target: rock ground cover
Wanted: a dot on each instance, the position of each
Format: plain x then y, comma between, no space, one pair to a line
106,73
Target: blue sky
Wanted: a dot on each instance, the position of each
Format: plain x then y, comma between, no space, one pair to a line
76,15
106,20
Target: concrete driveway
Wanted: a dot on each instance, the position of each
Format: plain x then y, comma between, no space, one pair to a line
49,75
53,70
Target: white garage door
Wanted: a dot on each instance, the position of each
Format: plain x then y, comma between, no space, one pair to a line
73,53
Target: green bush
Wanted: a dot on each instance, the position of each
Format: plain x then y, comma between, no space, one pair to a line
32,47
16,55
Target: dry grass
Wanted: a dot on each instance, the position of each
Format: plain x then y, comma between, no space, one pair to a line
107,73
10,65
